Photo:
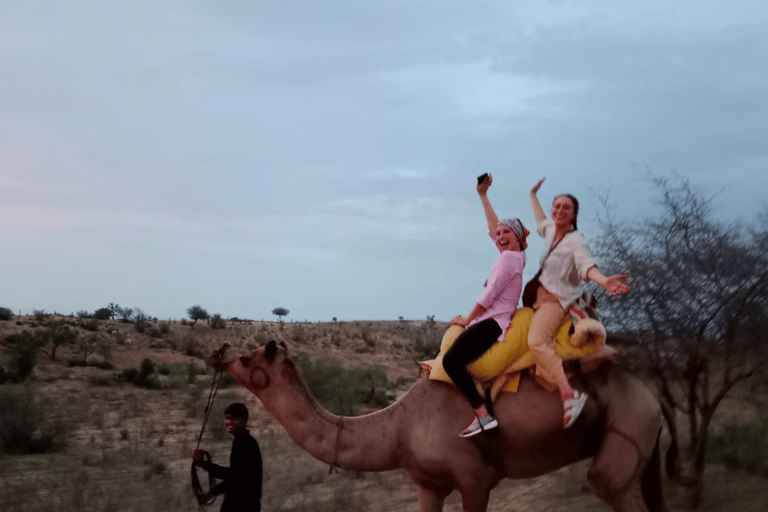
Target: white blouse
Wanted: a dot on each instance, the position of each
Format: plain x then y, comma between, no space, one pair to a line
565,267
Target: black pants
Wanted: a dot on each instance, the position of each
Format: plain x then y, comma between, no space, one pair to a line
468,347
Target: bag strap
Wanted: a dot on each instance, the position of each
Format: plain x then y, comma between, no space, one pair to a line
552,248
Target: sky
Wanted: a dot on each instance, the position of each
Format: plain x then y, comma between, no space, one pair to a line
322,155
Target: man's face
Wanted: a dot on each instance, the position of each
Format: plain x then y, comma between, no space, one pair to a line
235,424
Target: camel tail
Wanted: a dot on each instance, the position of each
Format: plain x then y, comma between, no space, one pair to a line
651,485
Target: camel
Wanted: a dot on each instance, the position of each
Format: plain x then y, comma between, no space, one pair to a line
619,428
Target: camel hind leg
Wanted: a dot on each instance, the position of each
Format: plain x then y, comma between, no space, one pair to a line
431,498
618,473
652,490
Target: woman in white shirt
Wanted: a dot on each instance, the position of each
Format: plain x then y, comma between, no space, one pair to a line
566,262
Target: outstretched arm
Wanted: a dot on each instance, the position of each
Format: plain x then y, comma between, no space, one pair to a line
490,214
613,284
538,211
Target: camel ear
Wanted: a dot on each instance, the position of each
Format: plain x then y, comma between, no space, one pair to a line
271,350
285,347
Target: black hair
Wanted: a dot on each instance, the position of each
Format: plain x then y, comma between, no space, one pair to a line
237,409
575,208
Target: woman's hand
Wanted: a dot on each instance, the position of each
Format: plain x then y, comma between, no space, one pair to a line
536,187
483,186
460,321
614,285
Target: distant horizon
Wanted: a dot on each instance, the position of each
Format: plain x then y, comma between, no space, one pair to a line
244,319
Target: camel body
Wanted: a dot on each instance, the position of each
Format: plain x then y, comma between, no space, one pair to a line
618,428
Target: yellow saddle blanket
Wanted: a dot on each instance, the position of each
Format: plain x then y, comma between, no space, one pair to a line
501,365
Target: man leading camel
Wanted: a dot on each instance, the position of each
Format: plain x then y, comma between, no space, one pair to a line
241,481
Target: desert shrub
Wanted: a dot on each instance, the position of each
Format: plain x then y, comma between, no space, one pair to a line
741,446
298,333
23,429
367,335
189,370
217,322
57,333
262,335
141,321
90,324
103,365
20,355
92,344
102,314
427,342
5,314
343,391
143,377
191,345
101,379
165,327
40,315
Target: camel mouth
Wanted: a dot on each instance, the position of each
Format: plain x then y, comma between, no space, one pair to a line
221,357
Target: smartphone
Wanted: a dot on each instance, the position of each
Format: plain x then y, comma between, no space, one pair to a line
481,178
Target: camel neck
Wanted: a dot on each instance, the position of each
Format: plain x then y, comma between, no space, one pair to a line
363,443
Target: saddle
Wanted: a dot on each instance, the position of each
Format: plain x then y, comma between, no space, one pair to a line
499,369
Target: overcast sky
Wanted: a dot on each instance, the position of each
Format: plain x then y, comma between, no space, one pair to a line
322,155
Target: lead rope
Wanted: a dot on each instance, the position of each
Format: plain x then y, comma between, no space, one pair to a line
205,499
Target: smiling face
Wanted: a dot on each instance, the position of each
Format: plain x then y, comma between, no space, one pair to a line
563,212
235,424
506,240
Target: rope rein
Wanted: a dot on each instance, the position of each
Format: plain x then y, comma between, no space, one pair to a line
205,499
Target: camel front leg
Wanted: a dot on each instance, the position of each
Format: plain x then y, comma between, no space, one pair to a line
431,498
475,501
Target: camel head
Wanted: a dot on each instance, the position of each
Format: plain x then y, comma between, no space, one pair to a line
253,370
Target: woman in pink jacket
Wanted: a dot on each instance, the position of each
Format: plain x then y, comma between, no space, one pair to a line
489,320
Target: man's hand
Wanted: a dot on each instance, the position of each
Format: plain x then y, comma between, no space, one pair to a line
197,457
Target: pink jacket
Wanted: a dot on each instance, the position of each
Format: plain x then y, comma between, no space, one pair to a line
502,290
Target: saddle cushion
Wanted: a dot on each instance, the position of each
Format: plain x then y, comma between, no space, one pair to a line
501,364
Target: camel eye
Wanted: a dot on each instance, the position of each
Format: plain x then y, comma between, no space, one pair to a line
245,360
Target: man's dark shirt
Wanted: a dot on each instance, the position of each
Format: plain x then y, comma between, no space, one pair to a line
241,481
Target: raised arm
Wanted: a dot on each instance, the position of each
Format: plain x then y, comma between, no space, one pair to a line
538,211
490,214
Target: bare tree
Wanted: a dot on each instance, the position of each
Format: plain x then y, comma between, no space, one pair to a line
700,301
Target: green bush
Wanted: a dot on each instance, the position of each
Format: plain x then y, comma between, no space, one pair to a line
20,356
40,314
90,324
189,370
23,429
102,314
217,322
741,446
343,391
57,333
143,377
5,314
